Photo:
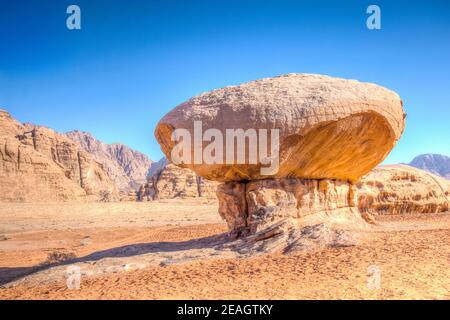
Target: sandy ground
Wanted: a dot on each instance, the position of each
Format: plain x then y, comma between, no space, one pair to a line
404,257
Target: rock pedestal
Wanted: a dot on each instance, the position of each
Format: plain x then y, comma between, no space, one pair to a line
282,214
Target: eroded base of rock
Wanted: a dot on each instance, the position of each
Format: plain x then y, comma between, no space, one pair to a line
286,215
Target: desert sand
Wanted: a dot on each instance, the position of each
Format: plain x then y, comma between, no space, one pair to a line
411,252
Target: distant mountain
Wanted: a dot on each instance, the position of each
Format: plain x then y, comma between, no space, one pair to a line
435,163
156,167
128,168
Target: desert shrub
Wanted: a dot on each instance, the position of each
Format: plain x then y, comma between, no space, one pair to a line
59,257
105,196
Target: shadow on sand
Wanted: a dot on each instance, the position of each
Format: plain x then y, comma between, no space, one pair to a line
8,275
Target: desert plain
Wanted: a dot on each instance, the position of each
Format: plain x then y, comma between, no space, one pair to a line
411,252
81,219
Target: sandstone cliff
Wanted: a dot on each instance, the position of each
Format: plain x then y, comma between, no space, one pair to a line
435,163
38,164
401,189
128,168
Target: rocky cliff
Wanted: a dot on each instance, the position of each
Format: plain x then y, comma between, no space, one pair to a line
401,189
435,163
128,168
39,164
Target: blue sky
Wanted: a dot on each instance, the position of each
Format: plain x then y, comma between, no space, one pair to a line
133,61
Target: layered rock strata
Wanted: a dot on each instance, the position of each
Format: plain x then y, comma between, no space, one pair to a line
401,189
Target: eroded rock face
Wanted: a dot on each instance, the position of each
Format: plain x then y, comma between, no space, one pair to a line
257,204
255,207
294,198
233,206
26,175
401,189
290,214
173,182
330,128
38,164
127,167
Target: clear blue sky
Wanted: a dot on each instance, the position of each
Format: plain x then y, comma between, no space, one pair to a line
133,61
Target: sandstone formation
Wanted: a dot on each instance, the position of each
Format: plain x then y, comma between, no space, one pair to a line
264,201
128,168
331,133
435,163
401,189
38,164
290,214
330,128
171,182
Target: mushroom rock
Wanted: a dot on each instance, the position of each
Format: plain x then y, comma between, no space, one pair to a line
331,132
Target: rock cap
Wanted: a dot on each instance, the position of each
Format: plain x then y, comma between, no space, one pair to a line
329,128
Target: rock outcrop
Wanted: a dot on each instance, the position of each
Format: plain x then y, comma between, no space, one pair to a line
331,133
170,182
401,189
38,164
9,127
27,175
128,168
438,164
